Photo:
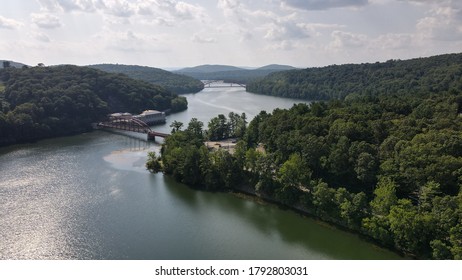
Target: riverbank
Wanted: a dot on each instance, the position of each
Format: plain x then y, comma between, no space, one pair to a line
248,192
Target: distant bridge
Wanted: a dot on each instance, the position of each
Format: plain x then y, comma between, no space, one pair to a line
220,84
129,123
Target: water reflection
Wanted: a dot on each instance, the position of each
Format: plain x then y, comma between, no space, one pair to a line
309,237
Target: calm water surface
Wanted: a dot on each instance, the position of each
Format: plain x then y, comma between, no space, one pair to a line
90,197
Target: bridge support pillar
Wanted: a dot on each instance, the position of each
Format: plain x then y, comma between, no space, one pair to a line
151,136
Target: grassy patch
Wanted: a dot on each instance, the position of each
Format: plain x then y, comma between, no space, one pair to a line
2,87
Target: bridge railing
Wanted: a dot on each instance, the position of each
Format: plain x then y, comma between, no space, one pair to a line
208,84
131,124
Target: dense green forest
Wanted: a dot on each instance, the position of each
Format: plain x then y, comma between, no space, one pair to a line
41,102
385,162
421,75
174,82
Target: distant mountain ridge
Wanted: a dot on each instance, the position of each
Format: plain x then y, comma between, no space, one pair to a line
231,73
277,67
176,83
12,64
208,68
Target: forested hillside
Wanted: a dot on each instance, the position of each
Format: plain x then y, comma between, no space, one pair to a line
417,76
174,82
42,102
9,63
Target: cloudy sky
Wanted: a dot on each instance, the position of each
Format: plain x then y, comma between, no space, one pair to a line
178,33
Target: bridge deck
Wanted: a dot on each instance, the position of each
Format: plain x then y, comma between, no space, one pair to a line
221,84
160,134
133,125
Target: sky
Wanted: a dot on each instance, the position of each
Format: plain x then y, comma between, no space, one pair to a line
183,33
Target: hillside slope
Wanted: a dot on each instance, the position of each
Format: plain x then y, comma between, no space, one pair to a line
208,68
432,74
276,67
12,64
174,82
41,102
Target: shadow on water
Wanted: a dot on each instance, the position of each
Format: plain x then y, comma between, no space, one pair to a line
273,222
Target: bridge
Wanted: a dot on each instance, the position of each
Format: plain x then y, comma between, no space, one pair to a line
220,84
129,123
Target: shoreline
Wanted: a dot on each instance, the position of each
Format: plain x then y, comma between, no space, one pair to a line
248,194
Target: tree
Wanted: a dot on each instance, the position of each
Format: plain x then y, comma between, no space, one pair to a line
427,194
218,128
176,126
338,163
366,168
6,64
411,230
195,129
233,120
456,241
385,197
295,172
378,227
153,163
241,126
324,201
226,166
353,209
179,103
440,250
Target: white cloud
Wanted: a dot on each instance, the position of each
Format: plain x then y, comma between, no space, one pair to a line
235,10
342,40
323,4
69,5
229,7
316,29
119,8
187,11
76,5
125,8
47,21
284,45
245,35
164,22
8,23
169,10
202,39
130,42
393,41
275,32
41,37
443,23
48,5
